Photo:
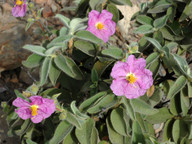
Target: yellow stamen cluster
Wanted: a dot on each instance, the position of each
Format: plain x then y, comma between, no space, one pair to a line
99,26
19,2
34,110
131,78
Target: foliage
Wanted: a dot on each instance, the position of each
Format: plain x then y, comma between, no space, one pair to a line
75,68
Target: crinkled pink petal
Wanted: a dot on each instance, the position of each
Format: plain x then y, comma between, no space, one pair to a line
23,10
118,86
120,69
105,15
24,112
133,91
144,78
109,26
19,102
48,107
38,118
36,100
19,11
93,18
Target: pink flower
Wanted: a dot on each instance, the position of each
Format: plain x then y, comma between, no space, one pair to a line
19,9
39,108
131,79
101,24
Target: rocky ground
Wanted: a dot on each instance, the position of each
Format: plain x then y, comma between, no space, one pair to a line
13,37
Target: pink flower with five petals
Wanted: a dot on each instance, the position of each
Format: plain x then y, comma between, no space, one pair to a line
101,24
130,78
39,109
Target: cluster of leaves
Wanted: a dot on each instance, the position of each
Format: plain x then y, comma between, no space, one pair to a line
166,26
75,71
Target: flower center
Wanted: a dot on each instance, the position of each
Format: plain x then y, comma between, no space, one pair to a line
34,110
19,2
131,78
99,26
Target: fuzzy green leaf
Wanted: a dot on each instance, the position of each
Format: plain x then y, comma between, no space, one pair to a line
45,70
64,19
160,22
117,121
159,117
177,86
142,107
85,47
62,130
143,19
144,29
35,49
116,53
33,60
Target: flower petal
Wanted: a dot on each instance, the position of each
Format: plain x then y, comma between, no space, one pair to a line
105,15
48,107
118,86
145,78
38,118
134,91
19,102
120,69
36,100
24,112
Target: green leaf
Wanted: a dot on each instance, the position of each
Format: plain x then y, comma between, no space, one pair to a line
64,19
144,29
118,122
54,73
168,34
70,139
33,60
137,134
160,6
155,43
156,97
122,2
68,66
186,12
179,130
151,58
116,53
88,133
62,130
167,133
100,67
182,64
171,11
185,102
28,141
63,31
154,67
94,3
189,85
72,119
177,86
35,49
114,137
113,9
87,103
142,107
106,102
94,76
45,70
85,47
145,20
24,127
88,36
175,105
160,117
129,108
160,22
